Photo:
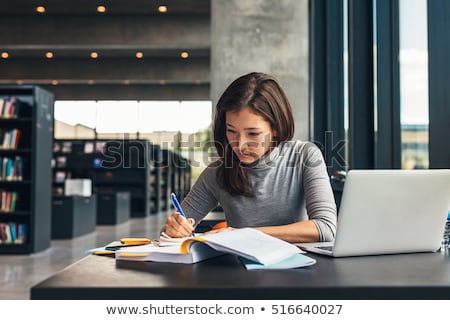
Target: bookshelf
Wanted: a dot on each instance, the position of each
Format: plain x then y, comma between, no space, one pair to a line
181,175
166,176
175,177
26,134
155,160
114,166
128,166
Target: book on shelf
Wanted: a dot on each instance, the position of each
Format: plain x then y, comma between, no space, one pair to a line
97,163
60,176
89,147
255,249
9,138
56,147
11,107
11,169
100,146
66,147
13,233
61,162
8,200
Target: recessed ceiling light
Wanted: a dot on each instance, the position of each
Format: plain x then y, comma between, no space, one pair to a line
49,55
54,82
139,55
94,55
19,82
184,55
101,9
5,55
40,9
162,9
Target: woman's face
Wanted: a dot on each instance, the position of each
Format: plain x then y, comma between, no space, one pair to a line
249,135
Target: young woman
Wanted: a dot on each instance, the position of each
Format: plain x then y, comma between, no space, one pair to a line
262,179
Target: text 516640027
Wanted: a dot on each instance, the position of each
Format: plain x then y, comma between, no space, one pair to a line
306,309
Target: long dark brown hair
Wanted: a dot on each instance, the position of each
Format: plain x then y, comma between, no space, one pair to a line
264,96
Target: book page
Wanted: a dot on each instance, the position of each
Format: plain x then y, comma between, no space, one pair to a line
165,240
251,244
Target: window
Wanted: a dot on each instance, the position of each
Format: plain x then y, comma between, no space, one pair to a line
413,59
121,117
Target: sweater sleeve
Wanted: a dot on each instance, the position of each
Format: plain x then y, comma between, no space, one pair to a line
203,196
319,198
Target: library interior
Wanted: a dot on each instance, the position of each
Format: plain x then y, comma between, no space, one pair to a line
106,110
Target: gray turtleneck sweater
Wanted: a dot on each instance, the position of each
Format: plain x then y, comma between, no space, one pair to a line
290,178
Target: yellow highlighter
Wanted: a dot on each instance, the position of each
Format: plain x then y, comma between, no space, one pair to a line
135,241
104,253
132,254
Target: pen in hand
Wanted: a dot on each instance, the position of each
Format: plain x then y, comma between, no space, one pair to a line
178,206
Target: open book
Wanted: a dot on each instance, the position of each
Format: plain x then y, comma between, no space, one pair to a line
256,250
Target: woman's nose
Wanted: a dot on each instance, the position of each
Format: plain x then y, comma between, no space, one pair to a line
242,143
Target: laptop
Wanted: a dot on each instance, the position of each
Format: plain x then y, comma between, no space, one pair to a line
389,212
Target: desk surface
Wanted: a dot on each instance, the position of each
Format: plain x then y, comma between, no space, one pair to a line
404,276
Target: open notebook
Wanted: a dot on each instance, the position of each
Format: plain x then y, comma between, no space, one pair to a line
255,249
388,212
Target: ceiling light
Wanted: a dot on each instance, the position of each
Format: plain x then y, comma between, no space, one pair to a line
184,55
139,55
19,82
49,55
101,9
94,55
54,82
40,9
5,55
162,9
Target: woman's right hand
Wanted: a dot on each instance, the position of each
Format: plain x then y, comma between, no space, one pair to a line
178,226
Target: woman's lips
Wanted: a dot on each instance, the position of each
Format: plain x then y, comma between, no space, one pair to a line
243,155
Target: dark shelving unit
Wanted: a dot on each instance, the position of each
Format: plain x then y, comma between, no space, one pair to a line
181,177
166,169
114,166
155,178
26,135
73,216
178,175
113,208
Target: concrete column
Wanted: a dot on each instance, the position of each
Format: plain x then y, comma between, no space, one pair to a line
264,36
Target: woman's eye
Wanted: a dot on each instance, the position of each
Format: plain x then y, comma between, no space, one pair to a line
254,134
231,131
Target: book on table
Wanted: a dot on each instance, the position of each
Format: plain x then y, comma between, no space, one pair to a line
254,248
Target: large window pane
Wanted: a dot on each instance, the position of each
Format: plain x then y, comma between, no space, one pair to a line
77,112
117,116
414,83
